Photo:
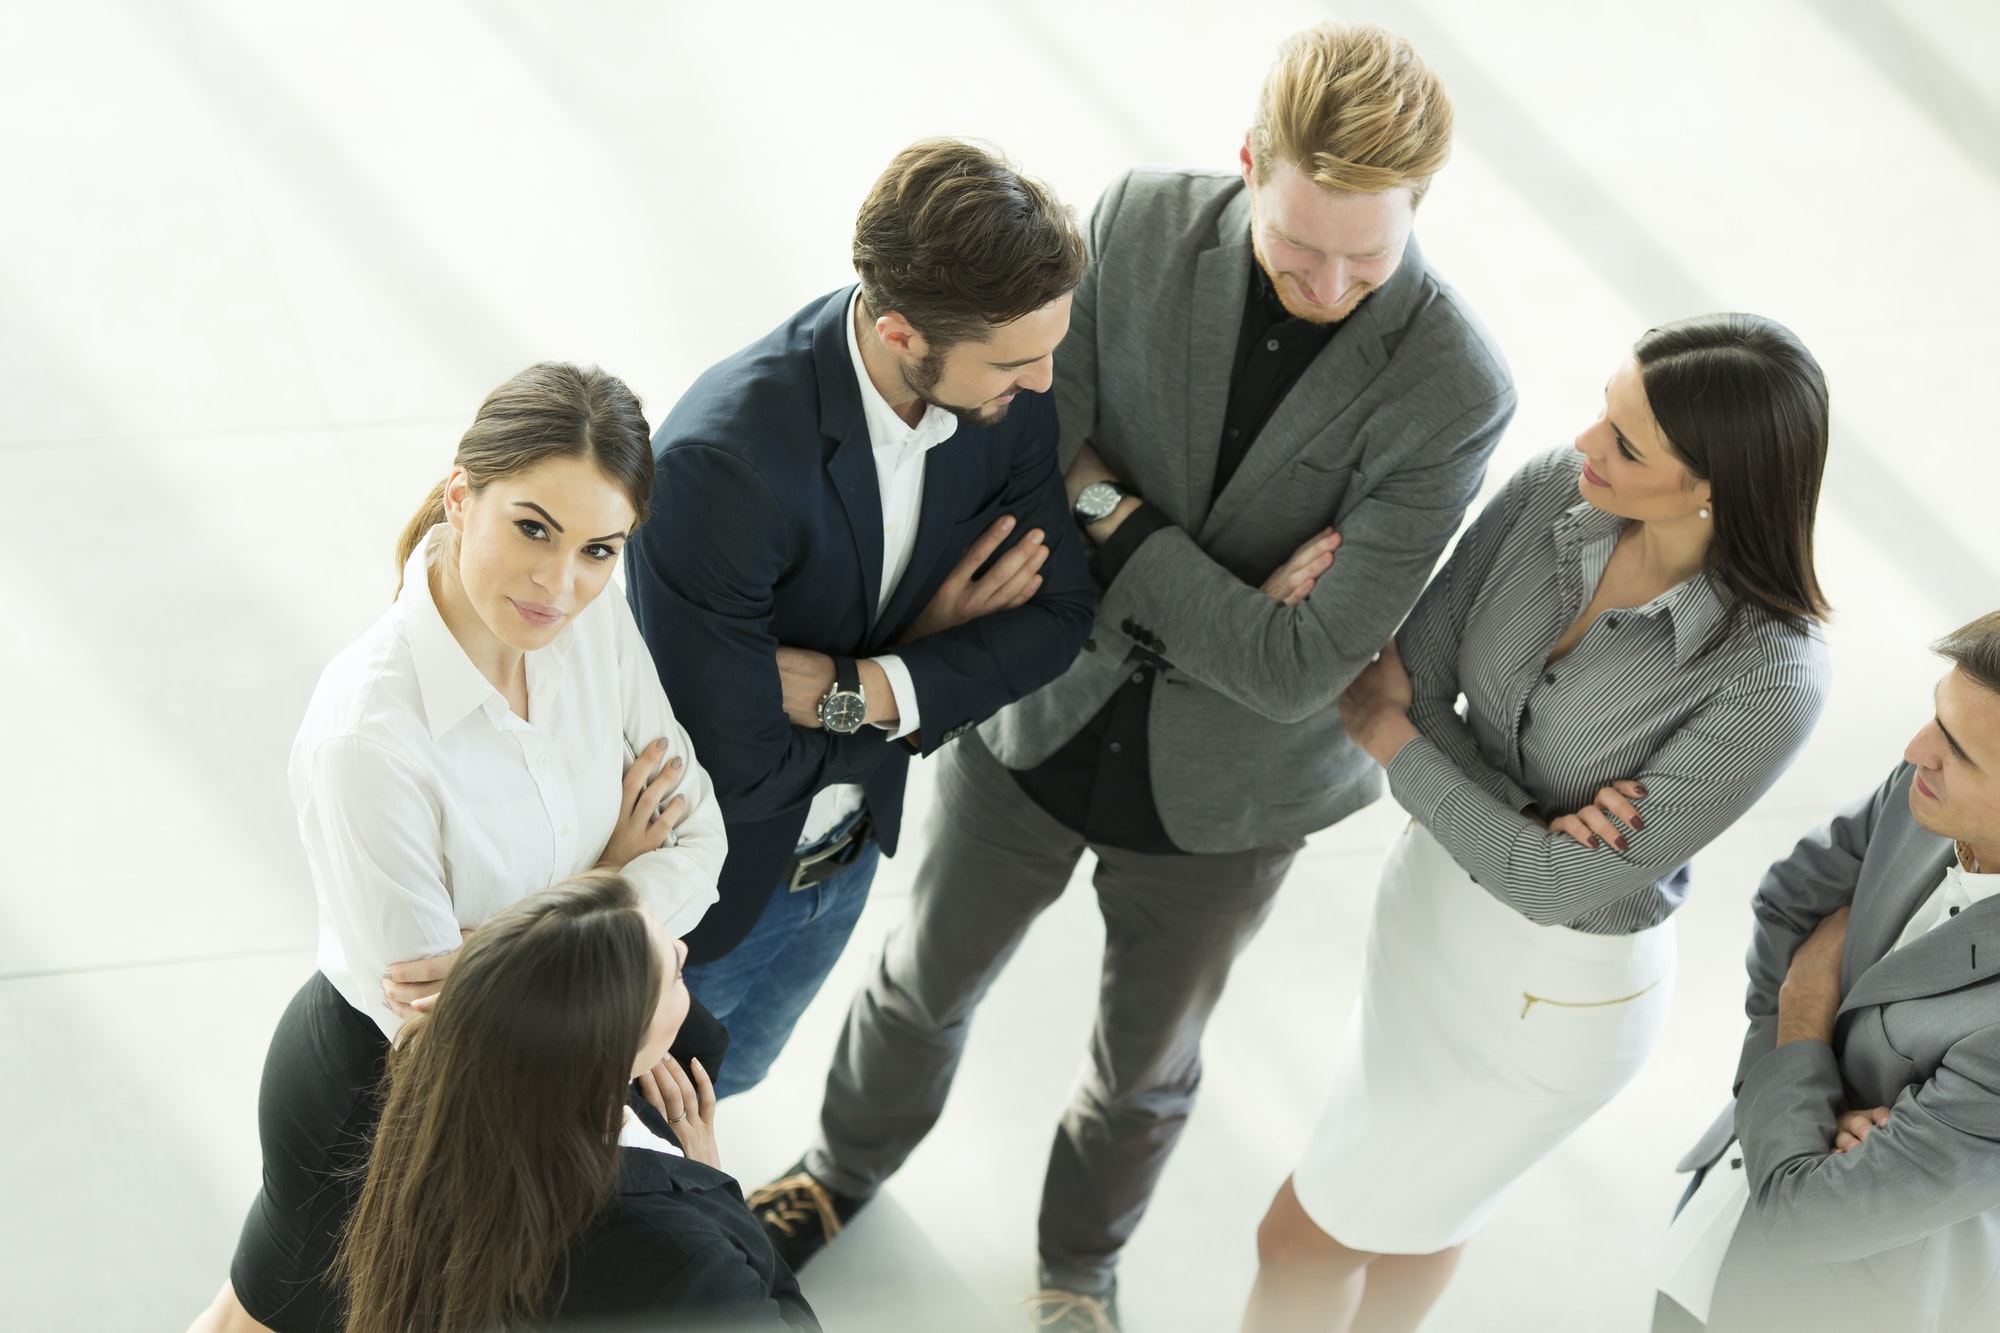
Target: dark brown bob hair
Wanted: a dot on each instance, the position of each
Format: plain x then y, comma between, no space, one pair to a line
499,1133
957,242
1744,405
550,410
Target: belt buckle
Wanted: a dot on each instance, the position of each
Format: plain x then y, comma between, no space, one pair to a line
834,853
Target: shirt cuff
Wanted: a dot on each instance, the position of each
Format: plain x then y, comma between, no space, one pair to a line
1421,776
1109,559
905,691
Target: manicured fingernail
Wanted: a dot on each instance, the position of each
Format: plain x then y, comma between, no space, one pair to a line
1638,821
1639,788
1006,522
1594,842
1622,845
675,762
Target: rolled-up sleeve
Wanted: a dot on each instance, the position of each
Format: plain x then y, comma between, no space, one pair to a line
678,882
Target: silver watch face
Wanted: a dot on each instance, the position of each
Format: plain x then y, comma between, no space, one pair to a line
843,712
1097,500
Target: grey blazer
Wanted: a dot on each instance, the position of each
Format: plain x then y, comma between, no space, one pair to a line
1902,1232
1385,437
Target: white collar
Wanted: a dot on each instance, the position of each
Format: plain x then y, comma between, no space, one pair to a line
886,430
451,687
634,1134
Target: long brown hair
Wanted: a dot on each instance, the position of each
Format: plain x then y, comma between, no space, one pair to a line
498,1140
1744,405
550,410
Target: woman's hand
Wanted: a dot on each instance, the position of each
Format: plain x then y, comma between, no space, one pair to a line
1592,825
687,1104
404,984
643,826
1375,707
1292,582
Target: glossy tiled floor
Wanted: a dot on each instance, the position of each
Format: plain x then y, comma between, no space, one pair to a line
259,262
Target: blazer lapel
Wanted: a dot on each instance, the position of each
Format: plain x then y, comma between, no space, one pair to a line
1957,954
1221,279
935,521
1335,378
851,464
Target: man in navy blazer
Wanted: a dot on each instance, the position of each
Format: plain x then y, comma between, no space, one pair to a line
860,548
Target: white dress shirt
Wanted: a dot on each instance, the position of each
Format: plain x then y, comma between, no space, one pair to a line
1699,1237
899,451
426,805
634,1134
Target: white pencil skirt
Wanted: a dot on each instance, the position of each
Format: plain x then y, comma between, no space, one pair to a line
1481,1041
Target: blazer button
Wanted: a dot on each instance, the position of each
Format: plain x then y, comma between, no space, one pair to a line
1090,645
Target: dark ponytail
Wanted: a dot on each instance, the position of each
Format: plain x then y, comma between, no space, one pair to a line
550,410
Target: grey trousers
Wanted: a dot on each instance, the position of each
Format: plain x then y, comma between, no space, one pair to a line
1172,925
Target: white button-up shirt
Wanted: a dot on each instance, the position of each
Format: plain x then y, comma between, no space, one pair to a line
899,452
1959,889
427,805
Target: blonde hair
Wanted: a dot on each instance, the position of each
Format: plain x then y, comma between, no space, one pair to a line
1354,107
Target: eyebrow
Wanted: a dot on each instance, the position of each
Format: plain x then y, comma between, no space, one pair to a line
530,504
1015,365
1949,739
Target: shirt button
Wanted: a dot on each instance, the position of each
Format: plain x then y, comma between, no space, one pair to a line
1138,677
1954,911
565,831
1235,432
542,760
1549,679
1271,346
1115,747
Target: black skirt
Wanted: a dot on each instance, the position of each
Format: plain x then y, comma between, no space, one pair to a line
317,1109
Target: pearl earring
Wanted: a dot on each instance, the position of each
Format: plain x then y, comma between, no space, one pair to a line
1704,513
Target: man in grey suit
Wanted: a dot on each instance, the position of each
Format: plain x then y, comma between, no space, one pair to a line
1261,369
1863,1187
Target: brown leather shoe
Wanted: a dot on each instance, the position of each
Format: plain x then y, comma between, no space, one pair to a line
800,1215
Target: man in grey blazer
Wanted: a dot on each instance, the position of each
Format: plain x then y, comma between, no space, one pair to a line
1862,1189
1261,369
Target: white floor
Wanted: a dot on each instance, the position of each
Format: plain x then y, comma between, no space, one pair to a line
259,262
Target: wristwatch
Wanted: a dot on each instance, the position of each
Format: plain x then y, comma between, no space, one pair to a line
1097,500
844,707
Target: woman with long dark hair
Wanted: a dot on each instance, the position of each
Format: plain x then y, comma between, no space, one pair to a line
1633,625
516,1181
500,728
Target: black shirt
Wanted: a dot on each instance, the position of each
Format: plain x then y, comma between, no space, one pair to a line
674,1243
1100,782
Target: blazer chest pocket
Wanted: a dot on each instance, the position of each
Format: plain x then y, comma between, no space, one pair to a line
1318,490
968,530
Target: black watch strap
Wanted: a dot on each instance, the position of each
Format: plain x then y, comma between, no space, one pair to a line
846,675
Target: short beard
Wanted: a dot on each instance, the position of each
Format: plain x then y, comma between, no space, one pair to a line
1310,314
922,380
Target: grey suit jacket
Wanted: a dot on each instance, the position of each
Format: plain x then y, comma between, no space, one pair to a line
1902,1232
1385,437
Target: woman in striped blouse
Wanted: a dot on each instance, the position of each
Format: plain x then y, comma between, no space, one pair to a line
1634,628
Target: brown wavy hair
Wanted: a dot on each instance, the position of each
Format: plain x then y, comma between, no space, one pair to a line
957,242
499,1136
550,410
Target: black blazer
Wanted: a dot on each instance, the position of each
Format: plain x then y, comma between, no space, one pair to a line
677,1238
766,529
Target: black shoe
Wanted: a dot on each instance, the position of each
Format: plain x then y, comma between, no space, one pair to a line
800,1215
1073,1311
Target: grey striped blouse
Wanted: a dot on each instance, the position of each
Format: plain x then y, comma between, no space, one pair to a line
1706,731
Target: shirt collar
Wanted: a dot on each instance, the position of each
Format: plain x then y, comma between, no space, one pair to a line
449,685
1585,536
886,430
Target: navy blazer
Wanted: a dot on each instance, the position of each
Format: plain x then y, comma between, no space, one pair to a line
766,530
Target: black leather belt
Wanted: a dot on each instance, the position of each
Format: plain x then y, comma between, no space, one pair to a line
817,867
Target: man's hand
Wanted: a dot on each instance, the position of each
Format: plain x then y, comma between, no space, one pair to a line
1592,825
1292,582
806,676
1084,469
403,984
1810,995
1854,1127
1375,707
1014,579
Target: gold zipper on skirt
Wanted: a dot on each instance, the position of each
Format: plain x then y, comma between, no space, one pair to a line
1530,1001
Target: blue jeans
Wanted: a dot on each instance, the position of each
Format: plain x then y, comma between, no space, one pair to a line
759,988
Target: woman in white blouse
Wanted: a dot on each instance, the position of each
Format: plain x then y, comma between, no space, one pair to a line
499,729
